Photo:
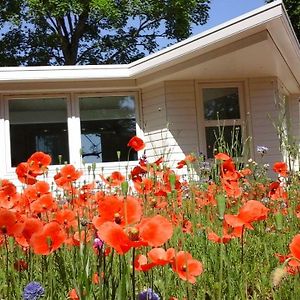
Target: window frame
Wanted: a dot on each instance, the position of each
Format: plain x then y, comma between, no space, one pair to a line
203,123
73,125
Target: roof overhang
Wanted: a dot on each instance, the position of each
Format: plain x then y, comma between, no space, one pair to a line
260,43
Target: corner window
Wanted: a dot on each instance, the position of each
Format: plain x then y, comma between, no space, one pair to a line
38,125
107,124
221,115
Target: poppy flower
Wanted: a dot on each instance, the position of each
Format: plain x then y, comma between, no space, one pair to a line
295,246
280,168
252,211
30,226
50,238
73,295
118,210
67,218
115,179
222,156
43,204
155,230
141,263
188,159
66,176
186,266
38,162
25,175
136,143
9,224
160,256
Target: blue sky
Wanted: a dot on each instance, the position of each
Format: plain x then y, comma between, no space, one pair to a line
224,10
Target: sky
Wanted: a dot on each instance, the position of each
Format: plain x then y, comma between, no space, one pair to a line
224,10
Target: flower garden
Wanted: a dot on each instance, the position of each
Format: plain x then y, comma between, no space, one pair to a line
151,234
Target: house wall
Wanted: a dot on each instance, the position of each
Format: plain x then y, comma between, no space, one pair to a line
264,109
170,120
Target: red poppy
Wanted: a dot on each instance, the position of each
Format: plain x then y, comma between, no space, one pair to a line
8,194
155,230
25,175
222,156
160,256
67,218
31,226
66,176
38,162
9,224
136,143
188,159
115,179
252,211
280,168
295,246
141,263
186,266
43,204
73,295
50,238
119,210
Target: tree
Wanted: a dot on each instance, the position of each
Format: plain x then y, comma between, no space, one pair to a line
293,9
69,32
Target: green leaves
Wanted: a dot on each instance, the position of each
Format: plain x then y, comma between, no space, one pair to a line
59,32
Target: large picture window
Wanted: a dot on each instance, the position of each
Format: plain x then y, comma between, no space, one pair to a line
107,124
221,114
73,128
38,125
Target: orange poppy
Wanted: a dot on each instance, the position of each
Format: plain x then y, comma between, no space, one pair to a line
25,175
141,263
295,246
50,238
186,266
155,230
115,179
280,168
38,162
119,210
66,218
31,226
222,156
43,204
251,211
160,256
66,176
9,224
188,159
8,194
136,143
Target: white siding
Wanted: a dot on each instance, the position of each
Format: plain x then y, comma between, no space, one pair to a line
182,117
263,98
154,120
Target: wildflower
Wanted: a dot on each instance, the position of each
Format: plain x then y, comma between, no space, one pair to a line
136,143
280,168
262,150
98,243
148,295
186,266
33,291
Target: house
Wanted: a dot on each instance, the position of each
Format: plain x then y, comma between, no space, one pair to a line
243,75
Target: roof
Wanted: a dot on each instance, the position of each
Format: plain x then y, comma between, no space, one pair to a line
257,44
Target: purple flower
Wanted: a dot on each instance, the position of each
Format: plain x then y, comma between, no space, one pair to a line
98,243
33,291
148,295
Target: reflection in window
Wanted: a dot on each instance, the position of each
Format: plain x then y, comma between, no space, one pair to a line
107,124
226,139
221,103
38,125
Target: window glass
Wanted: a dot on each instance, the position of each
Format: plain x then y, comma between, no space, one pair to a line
38,125
107,124
226,139
221,103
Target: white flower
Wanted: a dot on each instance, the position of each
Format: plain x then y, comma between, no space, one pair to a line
262,149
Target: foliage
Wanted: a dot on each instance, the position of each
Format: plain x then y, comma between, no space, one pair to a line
64,32
152,233
293,9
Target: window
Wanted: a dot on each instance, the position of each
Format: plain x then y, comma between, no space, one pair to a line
38,125
72,128
107,124
221,115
